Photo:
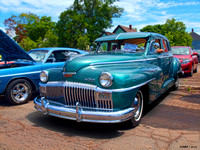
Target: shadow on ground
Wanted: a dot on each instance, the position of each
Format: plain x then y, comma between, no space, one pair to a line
73,128
164,116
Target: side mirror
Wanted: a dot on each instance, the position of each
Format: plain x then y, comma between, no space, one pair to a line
195,53
156,45
159,51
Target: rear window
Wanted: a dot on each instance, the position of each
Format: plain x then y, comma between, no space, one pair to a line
180,51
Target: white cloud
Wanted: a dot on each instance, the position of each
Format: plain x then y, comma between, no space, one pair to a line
39,7
3,29
174,4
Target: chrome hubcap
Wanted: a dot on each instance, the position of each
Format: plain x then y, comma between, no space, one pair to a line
20,92
177,82
138,104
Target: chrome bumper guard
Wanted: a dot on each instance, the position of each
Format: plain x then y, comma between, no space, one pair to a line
81,114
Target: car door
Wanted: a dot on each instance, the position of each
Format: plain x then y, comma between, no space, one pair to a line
162,61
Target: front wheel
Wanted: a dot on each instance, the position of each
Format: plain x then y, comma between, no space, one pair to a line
176,84
138,105
18,91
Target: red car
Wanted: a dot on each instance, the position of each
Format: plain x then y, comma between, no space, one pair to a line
187,57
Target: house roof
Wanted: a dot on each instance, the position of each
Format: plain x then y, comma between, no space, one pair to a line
126,29
195,36
108,33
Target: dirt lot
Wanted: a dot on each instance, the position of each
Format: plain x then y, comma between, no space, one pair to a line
172,122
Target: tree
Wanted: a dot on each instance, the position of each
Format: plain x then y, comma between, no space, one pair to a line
30,27
50,40
19,25
70,27
86,19
153,28
39,28
174,30
28,44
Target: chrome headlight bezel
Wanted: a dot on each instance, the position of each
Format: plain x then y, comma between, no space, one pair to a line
106,79
44,76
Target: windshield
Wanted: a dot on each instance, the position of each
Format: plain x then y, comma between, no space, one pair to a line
180,50
38,55
123,46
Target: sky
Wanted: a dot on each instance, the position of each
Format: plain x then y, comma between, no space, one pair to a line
138,13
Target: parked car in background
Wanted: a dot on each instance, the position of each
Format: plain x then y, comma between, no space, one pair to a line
128,72
187,57
19,72
198,51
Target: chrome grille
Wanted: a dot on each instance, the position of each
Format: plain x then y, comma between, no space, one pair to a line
82,93
70,93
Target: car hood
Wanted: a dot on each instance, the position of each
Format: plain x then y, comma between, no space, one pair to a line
181,57
77,63
10,50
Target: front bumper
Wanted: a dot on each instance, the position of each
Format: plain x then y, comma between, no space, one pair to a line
81,114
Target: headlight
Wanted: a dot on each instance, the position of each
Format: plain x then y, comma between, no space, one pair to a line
186,61
106,79
44,76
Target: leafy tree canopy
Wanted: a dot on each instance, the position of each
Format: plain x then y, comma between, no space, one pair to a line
31,31
85,20
174,30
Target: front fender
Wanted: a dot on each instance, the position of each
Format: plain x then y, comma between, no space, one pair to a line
175,68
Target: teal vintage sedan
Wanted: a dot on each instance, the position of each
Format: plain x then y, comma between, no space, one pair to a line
127,72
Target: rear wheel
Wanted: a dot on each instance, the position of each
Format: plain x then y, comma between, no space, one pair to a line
138,105
19,91
192,70
196,70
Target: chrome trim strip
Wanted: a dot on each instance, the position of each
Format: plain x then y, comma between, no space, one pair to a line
114,62
152,58
21,74
79,114
127,61
69,72
124,89
117,36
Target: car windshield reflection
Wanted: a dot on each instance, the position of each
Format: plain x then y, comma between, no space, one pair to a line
122,46
38,55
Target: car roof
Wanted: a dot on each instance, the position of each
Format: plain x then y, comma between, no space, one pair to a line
61,48
129,35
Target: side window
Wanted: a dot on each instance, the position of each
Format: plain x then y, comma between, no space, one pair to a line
51,58
165,46
155,44
70,53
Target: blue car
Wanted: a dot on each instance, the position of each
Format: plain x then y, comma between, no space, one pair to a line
20,71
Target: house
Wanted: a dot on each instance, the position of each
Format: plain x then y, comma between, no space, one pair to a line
196,40
119,29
